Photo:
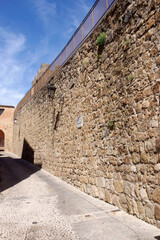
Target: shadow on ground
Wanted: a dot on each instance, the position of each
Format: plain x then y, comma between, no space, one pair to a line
27,153
13,171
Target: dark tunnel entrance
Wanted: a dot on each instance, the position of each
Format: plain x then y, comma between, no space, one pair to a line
2,138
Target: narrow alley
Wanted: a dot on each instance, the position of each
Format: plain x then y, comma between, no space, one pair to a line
35,205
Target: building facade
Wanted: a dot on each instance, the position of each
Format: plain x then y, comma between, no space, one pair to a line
6,127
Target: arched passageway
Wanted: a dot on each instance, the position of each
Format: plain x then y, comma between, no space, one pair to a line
2,137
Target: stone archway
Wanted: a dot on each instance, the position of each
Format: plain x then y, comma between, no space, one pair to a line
2,138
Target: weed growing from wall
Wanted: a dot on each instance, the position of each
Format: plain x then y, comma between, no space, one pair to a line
101,39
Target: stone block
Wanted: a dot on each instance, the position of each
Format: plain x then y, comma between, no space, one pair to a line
159,178
147,91
100,182
154,50
139,97
158,145
136,189
85,179
108,196
144,157
135,208
150,145
101,193
127,160
133,168
123,202
143,194
131,203
149,210
109,184
118,185
157,167
135,158
115,201
150,22
129,189
154,123
156,195
83,187
157,212
145,104
91,180
140,208
156,87
158,61
94,191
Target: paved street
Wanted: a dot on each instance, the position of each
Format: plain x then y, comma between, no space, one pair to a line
35,205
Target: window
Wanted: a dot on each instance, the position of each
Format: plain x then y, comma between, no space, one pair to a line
1,111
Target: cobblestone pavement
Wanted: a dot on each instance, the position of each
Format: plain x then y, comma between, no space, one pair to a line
35,205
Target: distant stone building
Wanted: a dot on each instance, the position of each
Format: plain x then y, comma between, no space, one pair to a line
6,127
40,72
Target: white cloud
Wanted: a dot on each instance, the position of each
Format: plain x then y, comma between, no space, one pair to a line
17,96
10,96
82,4
46,10
11,43
18,65
11,69
3,91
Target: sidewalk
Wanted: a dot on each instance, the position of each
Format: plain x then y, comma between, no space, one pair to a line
39,206
98,220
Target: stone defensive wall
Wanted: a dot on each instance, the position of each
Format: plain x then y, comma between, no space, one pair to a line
95,123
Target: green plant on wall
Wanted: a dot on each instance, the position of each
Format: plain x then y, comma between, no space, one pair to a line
126,42
85,63
99,56
111,124
101,39
131,77
122,67
106,107
99,89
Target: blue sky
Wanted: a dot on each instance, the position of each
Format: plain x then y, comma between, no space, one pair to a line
33,32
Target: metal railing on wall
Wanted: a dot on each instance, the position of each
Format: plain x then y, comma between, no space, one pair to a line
96,13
